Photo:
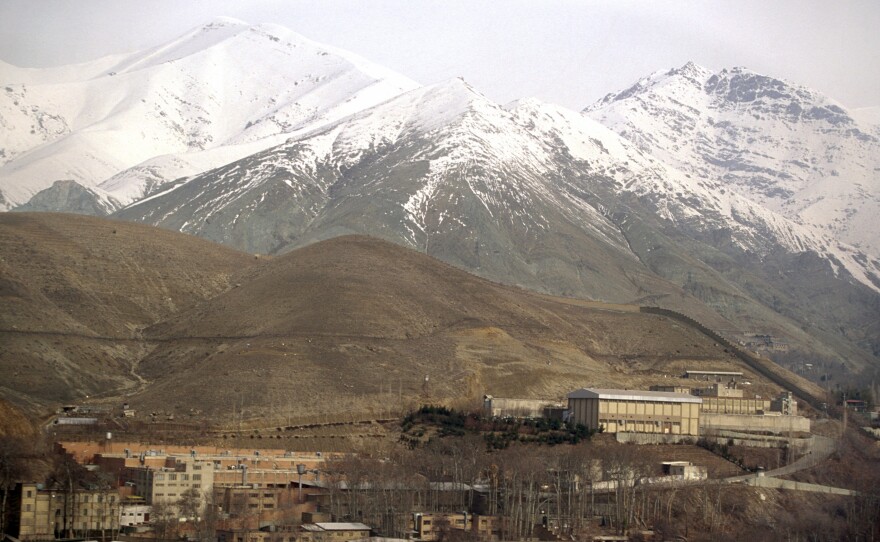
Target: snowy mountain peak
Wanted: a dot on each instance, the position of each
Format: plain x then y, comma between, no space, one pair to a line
221,91
691,71
783,146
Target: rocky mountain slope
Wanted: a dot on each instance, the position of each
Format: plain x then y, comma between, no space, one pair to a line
529,194
131,122
77,291
539,196
781,145
348,325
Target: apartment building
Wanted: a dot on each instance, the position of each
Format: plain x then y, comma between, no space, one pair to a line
40,513
169,483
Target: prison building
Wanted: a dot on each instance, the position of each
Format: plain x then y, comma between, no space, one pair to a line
637,411
717,376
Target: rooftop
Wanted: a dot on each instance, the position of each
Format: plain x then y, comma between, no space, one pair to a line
633,395
343,526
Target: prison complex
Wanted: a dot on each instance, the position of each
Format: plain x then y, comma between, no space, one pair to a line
634,410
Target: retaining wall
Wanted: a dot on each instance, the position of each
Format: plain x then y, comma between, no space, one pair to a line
778,483
745,422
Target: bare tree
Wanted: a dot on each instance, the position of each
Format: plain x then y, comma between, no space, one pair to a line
164,520
190,504
68,476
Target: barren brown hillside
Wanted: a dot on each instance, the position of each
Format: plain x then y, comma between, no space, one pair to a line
352,327
13,423
364,327
75,292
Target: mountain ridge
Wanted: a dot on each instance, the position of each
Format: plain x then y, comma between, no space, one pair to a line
202,91
784,146
535,195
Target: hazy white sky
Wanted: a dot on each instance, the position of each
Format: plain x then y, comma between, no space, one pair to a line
566,52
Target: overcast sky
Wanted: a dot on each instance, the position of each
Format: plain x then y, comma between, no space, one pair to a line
566,52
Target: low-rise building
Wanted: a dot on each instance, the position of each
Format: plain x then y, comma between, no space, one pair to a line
716,376
40,513
333,532
685,469
134,514
636,411
439,525
168,484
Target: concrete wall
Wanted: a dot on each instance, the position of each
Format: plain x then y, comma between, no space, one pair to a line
778,483
732,405
743,422
653,438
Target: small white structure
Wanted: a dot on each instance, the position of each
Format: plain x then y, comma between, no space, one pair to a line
134,514
685,469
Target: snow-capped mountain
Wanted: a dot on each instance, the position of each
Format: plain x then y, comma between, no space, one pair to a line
273,142
783,146
531,193
125,124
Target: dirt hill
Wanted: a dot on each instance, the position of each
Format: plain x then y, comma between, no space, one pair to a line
13,422
76,291
95,310
358,325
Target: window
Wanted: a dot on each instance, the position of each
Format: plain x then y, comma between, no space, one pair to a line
29,494
197,476
160,476
172,477
27,508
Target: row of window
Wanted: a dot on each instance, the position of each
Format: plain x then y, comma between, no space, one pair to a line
173,476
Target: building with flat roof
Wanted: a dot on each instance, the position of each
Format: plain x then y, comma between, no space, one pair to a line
40,513
170,483
333,532
713,375
635,411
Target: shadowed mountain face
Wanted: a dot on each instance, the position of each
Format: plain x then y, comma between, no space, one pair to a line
349,325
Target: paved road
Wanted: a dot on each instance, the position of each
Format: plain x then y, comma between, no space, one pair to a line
820,450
